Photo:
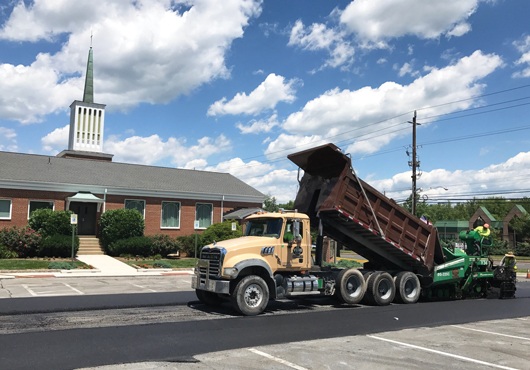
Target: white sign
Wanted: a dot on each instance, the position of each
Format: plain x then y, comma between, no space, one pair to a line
196,225
73,219
233,226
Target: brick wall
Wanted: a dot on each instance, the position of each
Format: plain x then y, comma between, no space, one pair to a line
153,209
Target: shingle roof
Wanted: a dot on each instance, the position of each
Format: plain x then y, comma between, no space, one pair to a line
241,213
53,170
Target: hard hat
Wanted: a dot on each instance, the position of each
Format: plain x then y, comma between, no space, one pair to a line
509,254
486,226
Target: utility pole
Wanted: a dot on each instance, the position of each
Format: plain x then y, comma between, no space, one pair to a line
414,163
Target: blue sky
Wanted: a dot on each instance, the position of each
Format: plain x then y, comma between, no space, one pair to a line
236,85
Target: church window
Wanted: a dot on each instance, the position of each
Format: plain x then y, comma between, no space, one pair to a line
170,215
40,204
204,214
5,209
137,204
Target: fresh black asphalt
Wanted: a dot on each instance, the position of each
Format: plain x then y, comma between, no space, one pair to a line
68,349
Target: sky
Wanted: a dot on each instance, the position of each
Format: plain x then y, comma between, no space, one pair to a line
237,85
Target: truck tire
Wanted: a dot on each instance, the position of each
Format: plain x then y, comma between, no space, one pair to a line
208,298
380,289
350,286
408,289
251,296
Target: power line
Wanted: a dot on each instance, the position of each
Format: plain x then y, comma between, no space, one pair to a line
400,115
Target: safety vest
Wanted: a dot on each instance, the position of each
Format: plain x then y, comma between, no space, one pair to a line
482,231
510,262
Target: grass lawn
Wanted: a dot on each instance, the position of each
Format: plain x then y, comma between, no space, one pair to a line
28,264
180,263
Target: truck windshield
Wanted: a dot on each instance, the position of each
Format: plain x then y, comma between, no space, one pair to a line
267,227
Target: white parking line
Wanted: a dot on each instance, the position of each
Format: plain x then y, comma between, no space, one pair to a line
279,360
490,332
442,353
74,289
139,286
29,290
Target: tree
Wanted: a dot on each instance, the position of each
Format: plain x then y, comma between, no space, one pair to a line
289,205
521,225
269,204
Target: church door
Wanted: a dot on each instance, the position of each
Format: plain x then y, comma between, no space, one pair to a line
86,217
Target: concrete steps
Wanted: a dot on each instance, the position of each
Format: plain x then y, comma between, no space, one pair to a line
89,245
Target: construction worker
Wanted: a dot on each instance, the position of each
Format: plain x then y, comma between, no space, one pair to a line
288,235
510,263
483,231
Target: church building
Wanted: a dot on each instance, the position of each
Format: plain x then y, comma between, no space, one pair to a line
85,180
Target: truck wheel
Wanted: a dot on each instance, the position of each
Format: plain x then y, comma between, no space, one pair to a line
208,298
251,296
350,286
380,289
408,288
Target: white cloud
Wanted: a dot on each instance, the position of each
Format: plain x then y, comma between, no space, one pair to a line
144,51
497,177
266,96
150,150
523,46
256,127
281,184
375,21
286,144
407,69
355,112
8,139
56,140
459,30
381,61
319,37
239,168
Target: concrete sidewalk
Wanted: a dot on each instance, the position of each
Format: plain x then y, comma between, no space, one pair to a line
103,266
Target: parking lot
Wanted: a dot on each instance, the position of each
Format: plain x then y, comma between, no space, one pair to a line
48,287
500,344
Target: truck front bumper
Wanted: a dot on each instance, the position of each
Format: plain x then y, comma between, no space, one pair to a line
214,286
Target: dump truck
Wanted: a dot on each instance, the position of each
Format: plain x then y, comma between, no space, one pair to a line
406,260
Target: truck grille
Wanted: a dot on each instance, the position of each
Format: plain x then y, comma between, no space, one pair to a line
213,255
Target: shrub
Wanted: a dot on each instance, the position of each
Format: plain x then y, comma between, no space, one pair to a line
48,222
58,246
58,265
522,249
164,244
116,224
498,248
218,232
187,244
136,246
6,253
162,264
22,241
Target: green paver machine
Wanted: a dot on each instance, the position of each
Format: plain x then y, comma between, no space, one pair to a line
470,272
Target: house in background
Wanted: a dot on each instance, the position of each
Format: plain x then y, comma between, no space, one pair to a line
449,230
85,180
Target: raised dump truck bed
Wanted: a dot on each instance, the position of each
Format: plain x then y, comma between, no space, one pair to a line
360,217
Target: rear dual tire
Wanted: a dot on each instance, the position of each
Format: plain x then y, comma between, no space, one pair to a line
380,289
350,286
408,288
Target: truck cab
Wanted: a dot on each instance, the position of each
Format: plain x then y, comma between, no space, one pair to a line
247,270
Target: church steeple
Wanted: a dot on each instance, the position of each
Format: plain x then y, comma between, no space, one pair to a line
87,121
88,96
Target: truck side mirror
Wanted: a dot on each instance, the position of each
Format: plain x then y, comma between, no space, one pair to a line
296,230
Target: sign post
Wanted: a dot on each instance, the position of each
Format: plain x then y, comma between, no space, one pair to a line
234,228
73,221
196,226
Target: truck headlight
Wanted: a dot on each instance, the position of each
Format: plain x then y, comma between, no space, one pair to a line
230,271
